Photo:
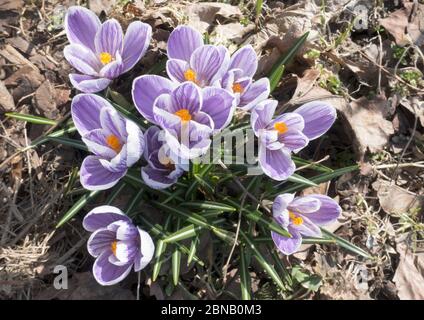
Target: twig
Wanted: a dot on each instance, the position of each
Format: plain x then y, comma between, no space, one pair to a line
313,163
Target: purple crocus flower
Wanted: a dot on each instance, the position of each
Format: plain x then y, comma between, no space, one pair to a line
239,79
162,170
289,132
191,60
188,114
100,52
117,244
302,217
117,143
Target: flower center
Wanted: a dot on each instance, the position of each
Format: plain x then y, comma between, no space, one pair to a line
238,88
184,114
297,221
281,127
114,143
113,247
190,75
105,58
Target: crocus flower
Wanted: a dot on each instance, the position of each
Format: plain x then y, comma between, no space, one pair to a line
239,79
302,217
287,133
117,143
188,114
100,52
117,244
163,168
191,60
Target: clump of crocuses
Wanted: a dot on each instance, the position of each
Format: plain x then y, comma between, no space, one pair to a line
179,115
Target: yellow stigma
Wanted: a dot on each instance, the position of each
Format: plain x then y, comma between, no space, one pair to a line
105,58
113,247
184,114
190,75
114,143
281,127
297,221
238,88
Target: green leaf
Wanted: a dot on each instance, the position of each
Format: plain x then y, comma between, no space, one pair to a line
317,179
256,216
176,261
299,179
69,142
55,134
198,220
311,282
278,69
193,249
346,244
258,7
30,118
135,200
78,206
158,231
184,233
159,253
119,99
267,267
71,182
209,205
245,280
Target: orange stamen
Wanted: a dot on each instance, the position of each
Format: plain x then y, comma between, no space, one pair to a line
113,247
184,114
114,143
297,220
238,88
281,127
190,75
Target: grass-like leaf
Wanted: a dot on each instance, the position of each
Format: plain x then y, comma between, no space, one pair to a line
256,216
278,69
77,144
317,179
193,249
269,269
185,233
30,118
77,207
245,280
209,205
258,7
346,244
299,179
196,219
176,260
159,253
157,230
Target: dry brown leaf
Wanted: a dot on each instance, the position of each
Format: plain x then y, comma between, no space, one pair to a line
406,25
45,100
409,276
394,199
202,15
6,99
369,127
83,286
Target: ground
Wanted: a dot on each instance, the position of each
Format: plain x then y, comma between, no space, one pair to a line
365,59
